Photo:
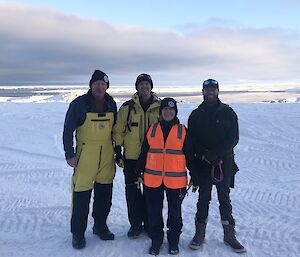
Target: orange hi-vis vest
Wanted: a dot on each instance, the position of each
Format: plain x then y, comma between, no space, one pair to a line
166,162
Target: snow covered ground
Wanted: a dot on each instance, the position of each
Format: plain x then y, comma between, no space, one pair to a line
35,191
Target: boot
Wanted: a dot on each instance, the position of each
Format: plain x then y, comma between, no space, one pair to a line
230,238
173,239
104,233
78,242
173,250
154,249
134,232
156,245
199,236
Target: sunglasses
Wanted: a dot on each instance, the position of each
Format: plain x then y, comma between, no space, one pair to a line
209,82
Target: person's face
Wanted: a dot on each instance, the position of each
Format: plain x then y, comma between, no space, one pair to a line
210,94
168,113
99,88
144,89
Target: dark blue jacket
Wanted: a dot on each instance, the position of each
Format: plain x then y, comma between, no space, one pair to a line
76,116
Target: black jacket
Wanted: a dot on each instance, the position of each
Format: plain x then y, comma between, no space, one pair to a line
166,128
76,116
215,130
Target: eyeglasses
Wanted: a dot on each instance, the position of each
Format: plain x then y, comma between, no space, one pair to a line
210,81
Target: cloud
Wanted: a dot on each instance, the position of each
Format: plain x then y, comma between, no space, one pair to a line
40,45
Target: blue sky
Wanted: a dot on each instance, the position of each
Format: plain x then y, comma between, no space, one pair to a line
170,14
177,42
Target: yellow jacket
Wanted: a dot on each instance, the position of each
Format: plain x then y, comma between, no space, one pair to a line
130,129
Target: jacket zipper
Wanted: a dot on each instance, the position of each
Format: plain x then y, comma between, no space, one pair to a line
145,115
164,153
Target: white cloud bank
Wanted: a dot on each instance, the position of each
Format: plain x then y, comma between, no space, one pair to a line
40,45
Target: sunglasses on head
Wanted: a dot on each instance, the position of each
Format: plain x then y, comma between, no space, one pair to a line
210,81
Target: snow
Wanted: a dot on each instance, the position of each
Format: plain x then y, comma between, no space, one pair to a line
35,187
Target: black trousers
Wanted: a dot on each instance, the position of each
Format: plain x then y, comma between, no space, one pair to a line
136,206
154,199
223,191
101,208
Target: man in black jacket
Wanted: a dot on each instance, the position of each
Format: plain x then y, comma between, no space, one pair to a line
213,128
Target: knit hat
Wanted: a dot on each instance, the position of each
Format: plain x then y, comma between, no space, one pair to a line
99,75
210,83
168,102
143,77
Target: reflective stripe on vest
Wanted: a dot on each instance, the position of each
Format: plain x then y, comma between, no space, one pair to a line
166,161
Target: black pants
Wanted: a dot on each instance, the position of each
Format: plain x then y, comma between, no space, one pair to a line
101,208
136,206
154,199
223,191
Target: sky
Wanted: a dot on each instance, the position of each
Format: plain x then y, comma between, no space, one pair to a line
237,42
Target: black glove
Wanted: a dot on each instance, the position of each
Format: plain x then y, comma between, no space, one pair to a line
118,156
194,180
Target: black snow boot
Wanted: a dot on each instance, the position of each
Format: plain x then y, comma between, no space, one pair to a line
173,239
155,247
173,249
154,250
78,242
104,233
199,236
134,232
230,238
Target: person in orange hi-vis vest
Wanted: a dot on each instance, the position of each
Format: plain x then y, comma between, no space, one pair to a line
165,154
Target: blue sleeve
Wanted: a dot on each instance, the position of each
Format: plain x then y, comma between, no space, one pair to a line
71,123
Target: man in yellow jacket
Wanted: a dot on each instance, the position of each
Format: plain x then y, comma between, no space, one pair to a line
133,121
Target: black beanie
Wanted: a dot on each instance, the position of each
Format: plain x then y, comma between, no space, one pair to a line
99,75
143,77
168,102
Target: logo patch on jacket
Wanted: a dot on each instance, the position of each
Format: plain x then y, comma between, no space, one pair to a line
101,126
171,104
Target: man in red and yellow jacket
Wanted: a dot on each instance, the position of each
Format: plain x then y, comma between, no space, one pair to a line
165,154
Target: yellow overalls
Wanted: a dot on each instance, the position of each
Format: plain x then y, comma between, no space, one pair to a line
94,151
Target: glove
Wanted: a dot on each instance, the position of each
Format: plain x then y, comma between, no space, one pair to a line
139,182
193,184
119,157
195,189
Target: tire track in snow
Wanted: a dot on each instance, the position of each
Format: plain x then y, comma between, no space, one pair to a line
275,164
22,154
37,224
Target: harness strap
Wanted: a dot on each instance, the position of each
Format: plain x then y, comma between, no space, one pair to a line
214,178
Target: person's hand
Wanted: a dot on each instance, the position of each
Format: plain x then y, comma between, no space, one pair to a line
195,189
193,185
139,182
119,157
119,161
72,162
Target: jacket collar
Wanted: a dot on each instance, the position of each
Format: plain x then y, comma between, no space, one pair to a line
155,100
